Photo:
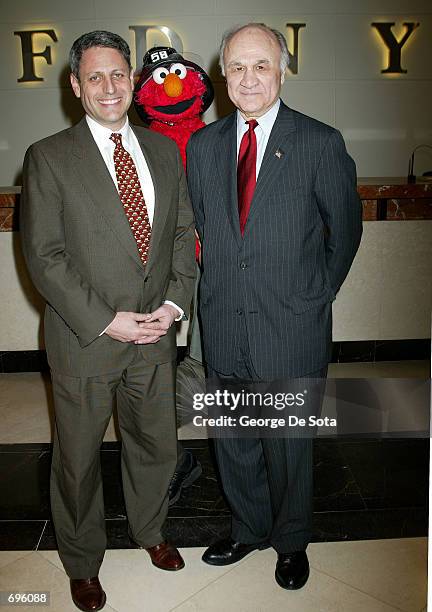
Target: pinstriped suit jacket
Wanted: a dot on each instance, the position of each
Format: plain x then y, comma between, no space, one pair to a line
301,236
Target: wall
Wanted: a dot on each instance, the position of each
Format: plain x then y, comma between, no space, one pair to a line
386,296
339,79
382,118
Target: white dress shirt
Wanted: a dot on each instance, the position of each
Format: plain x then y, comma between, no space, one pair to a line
262,131
130,142
106,147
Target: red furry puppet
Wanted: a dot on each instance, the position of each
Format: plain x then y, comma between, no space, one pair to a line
171,94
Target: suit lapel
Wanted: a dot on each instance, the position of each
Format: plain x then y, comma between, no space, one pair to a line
277,153
160,183
226,162
98,183
100,186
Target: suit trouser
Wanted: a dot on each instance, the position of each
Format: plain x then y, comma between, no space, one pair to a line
146,414
268,481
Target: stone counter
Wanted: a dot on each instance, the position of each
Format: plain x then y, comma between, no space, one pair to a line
384,199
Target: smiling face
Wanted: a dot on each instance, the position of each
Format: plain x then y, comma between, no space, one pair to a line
173,93
252,71
105,86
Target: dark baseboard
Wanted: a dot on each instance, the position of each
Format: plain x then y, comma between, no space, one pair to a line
381,350
343,352
23,361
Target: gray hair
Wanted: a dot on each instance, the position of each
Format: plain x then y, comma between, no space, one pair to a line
98,38
280,39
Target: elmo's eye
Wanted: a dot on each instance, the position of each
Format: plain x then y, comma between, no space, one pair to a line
179,70
159,75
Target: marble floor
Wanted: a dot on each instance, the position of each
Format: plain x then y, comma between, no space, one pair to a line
370,521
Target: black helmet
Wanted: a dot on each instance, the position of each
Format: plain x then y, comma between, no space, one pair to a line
165,56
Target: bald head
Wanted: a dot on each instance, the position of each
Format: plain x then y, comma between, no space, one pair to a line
277,36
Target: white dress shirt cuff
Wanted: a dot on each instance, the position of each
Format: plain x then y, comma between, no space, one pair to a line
181,315
102,332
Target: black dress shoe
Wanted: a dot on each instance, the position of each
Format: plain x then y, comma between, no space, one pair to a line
292,570
225,552
87,594
188,469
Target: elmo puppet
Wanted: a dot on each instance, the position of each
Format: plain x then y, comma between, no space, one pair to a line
171,94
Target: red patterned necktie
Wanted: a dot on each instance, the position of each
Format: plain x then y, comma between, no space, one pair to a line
132,197
246,172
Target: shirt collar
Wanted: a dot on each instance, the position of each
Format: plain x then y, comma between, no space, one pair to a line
266,121
102,134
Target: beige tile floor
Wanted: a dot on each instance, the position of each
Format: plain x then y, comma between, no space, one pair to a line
365,576
26,406
369,576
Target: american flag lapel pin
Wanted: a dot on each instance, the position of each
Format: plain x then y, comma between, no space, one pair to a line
279,153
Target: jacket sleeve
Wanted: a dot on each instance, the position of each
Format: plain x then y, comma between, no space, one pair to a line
195,186
183,270
340,207
51,268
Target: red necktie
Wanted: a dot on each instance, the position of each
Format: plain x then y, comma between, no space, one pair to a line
132,197
246,172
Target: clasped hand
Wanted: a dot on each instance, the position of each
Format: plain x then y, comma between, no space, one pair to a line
142,328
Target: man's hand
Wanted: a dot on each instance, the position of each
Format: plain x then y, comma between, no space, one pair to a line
156,324
125,326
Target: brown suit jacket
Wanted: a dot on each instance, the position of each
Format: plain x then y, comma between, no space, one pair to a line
83,258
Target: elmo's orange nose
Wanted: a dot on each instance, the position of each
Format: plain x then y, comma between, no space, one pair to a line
172,85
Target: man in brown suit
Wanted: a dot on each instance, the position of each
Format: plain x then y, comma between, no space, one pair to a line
108,237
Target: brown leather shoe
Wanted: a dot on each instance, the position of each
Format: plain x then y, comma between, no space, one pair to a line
166,557
87,594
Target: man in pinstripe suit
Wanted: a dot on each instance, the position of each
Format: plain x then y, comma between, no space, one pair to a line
269,277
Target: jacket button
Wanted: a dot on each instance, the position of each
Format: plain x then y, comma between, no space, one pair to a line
239,311
243,265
